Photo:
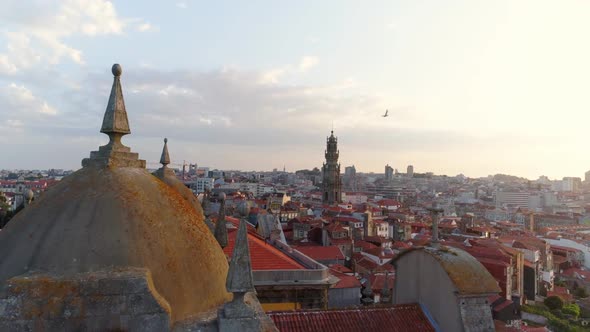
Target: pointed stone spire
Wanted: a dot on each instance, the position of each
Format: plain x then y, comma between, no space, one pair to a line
164,171
165,158
220,226
239,276
115,117
115,124
240,315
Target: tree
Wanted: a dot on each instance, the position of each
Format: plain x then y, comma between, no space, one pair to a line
553,302
571,309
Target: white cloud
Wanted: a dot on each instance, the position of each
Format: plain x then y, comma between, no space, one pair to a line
273,76
182,5
46,109
36,34
173,90
308,62
145,27
19,100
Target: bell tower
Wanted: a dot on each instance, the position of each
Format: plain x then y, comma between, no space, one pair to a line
331,182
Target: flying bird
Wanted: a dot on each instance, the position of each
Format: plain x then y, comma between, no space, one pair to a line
385,115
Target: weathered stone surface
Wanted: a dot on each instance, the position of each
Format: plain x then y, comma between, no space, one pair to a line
129,285
105,305
476,314
122,299
237,308
74,308
231,317
143,303
16,325
239,277
9,308
148,323
240,324
90,287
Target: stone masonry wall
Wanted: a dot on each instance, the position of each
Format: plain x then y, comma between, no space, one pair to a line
114,300
476,314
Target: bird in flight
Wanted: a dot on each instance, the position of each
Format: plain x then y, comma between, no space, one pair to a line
385,115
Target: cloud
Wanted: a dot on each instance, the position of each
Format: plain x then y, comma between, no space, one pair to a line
21,110
182,5
20,101
228,118
36,34
308,62
145,27
273,76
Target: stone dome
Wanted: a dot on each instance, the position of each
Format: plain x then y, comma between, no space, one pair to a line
167,176
114,214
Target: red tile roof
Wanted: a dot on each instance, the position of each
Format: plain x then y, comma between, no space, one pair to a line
397,318
339,268
341,241
380,253
346,281
320,252
377,239
378,282
263,255
364,245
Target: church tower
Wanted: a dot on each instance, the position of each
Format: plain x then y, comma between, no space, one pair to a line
331,183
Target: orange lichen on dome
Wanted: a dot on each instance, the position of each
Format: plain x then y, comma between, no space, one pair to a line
120,217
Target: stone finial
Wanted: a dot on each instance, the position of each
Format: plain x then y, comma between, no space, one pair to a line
240,314
114,124
115,117
165,158
220,226
239,276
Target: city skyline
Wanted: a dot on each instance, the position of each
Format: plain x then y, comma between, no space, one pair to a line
471,87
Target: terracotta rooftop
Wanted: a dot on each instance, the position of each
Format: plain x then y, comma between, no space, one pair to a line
376,239
378,282
345,281
321,252
339,268
364,245
397,318
264,256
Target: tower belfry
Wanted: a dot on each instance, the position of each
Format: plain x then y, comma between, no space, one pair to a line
331,183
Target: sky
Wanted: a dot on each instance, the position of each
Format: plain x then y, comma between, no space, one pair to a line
472,87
